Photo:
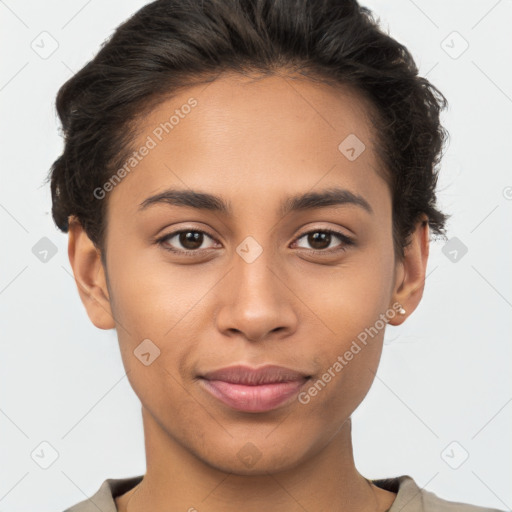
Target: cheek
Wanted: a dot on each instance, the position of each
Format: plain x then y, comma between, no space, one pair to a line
353,304
158,315
350,297
152,298
348,371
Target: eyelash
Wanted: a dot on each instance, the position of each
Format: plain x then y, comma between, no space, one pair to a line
346,241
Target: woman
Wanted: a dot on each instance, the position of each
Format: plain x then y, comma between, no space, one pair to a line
249,190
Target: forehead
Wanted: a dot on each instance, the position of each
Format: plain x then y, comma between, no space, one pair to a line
258,137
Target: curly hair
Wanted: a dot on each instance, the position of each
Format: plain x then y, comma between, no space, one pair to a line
169,45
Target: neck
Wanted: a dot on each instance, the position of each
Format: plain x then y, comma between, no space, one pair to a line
176,479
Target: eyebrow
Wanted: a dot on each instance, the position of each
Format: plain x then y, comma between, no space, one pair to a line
310,200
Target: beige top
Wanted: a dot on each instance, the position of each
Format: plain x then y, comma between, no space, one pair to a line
410,498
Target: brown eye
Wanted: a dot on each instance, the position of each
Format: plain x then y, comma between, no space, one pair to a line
320,240
186,241
190,240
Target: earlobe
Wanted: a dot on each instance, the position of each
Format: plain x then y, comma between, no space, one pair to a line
85,260
410,281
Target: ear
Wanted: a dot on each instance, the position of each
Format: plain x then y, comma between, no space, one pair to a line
410,273
90,277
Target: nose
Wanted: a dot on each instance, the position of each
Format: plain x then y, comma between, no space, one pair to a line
257,303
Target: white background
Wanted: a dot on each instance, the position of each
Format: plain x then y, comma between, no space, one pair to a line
444,376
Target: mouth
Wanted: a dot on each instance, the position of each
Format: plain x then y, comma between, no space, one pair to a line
253,389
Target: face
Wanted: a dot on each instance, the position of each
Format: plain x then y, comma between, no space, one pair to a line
256,273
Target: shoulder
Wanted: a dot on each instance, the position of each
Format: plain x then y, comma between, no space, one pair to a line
103,498
411,498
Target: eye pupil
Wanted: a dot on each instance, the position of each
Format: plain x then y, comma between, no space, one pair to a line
191,237
313,239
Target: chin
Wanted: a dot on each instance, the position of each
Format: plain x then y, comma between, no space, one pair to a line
246,459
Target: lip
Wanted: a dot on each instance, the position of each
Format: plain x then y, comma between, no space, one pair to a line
253,389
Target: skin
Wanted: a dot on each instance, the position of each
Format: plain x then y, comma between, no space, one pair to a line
254,143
